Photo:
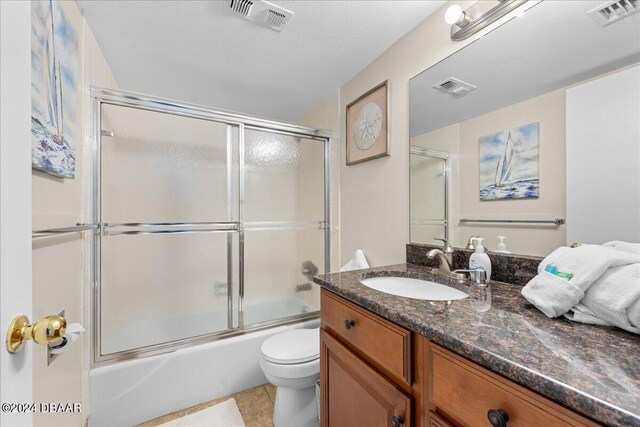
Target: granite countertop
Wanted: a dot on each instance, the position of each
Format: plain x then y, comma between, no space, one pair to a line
593,370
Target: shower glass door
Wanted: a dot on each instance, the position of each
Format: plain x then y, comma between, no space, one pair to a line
169,228
428,183
211,224
283,222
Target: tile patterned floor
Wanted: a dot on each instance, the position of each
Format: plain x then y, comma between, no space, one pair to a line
255,405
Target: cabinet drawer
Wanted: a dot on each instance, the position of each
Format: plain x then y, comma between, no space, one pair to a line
385,344
467,392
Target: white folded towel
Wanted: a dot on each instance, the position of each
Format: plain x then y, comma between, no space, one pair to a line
615,297
358,262
633,314
634,248
582,314
555,296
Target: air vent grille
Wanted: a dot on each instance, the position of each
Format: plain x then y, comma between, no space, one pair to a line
448,85
613,11
262,12
243,7
455,86
275,19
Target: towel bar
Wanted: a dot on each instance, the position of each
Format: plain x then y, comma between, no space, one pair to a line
63,230
557,221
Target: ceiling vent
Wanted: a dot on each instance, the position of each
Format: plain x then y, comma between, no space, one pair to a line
243,7
262,12
613,11
455,86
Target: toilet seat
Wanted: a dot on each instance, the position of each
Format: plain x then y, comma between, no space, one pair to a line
293,347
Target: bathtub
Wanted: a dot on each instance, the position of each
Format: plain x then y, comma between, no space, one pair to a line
130,392
125,335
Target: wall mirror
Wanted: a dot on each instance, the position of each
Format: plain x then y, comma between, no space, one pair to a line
531,132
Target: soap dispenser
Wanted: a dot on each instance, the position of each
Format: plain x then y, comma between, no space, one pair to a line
479,259
502,246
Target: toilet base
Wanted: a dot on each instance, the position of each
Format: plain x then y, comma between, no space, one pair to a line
295,407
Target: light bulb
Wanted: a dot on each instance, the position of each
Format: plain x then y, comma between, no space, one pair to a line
452,14
455,15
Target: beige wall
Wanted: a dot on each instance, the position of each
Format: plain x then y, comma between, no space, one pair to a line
374,195
60,277
549,111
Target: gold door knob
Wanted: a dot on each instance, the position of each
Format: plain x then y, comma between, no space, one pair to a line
46,330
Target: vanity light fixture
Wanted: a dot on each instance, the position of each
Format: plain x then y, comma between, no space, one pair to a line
464,25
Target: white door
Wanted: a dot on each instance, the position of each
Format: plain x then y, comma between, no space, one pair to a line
15,204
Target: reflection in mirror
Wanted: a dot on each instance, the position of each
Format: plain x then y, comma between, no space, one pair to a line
429,176
545,146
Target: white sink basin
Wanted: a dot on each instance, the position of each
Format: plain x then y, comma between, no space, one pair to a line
414,288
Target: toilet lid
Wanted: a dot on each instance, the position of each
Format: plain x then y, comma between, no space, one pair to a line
295,346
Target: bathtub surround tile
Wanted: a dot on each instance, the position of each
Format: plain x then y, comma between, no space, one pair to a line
593,370
507,268
254,404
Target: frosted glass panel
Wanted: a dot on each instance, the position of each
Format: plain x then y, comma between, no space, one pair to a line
163,168
425,233
284,178
427,188
275,285
161,288
428,198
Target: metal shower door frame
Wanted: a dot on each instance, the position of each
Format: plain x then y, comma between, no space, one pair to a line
445,157
100,96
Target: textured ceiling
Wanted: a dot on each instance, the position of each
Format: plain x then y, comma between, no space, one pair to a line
553,45
200,52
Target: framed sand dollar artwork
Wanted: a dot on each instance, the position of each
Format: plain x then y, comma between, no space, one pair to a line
368,125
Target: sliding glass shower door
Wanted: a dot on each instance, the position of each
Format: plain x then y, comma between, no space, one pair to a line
209,225
283,212
168,228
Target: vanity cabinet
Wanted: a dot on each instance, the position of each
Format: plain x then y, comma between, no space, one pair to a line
471,395
355,394
376,373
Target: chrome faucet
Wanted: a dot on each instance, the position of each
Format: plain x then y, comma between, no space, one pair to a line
445,258
445,265
447,250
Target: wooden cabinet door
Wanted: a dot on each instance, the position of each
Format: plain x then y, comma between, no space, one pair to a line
356,395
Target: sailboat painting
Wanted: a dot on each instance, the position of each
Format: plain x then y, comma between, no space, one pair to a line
509,164
54,97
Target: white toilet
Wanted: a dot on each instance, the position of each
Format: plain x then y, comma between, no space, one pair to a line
291,362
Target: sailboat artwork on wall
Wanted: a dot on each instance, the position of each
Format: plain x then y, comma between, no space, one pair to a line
54,64
509,164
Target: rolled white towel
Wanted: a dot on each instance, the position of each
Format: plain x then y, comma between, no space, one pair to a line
358,262
553,295
615,297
